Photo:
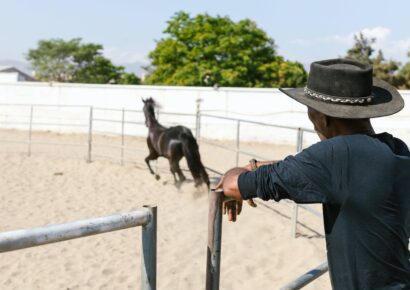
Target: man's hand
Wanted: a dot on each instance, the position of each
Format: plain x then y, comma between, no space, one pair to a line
229,184
232,208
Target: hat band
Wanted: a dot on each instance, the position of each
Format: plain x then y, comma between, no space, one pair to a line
332,99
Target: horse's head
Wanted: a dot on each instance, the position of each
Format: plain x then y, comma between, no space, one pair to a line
149,112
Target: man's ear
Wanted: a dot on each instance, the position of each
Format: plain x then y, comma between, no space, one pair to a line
322,121
326,121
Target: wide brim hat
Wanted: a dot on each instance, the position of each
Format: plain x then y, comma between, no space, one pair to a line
344,88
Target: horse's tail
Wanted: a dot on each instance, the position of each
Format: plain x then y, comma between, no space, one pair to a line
191,153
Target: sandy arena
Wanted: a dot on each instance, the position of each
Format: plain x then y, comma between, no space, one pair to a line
55,185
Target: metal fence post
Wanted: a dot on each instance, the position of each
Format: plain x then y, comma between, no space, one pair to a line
300,140
90,134
156,160
198,128
122,136
238,131
30,131
149,251
299,145
294,220
213,258
198,119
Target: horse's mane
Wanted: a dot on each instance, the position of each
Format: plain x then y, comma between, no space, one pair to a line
152,102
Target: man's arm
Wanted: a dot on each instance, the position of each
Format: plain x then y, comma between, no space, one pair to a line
229,181
303,178
260,163
229,184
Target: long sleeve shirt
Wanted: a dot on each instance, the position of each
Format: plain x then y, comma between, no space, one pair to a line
363,183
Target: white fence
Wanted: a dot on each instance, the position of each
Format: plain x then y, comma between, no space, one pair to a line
124,123
261,105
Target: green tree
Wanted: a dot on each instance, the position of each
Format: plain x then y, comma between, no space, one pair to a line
72,61
362,49
404,74
52,60
383,69
386,70
281,73
205,50
129,79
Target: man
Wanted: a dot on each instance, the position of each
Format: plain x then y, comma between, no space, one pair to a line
362,179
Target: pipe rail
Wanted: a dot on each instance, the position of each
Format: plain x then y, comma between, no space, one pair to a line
213,259
307,278
215,216
93,119
299,146
145,217
213,254
257,123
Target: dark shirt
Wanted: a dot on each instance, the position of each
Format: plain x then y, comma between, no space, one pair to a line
363,183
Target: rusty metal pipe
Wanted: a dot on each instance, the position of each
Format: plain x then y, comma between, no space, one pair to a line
213,259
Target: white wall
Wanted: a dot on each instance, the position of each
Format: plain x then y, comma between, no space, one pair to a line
263,105
22,78
9,77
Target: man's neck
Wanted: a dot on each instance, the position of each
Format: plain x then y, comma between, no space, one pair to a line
351,127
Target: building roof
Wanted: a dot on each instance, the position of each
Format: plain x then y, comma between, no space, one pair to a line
7,68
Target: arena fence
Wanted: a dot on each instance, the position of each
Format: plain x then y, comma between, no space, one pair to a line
124,123
93,116
146,217
213,261
238,151
306,278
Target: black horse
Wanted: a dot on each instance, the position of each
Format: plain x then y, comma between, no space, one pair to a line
173,143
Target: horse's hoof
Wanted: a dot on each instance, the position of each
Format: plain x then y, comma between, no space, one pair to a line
157,177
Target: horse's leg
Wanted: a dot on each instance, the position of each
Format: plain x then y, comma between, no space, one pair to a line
173,171
179,172
174,162
147,160
152,156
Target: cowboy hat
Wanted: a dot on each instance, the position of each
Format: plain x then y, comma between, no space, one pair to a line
345,88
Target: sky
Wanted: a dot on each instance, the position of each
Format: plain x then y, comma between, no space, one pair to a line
304,31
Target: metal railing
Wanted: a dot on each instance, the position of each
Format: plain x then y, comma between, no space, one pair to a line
215,210
89,127
307,278
213,253
92,120
146,217
123,122
213,261
238,151
31,123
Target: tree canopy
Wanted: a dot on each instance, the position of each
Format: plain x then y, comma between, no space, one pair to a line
362,48
206,51
71,61
387,70
404,74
